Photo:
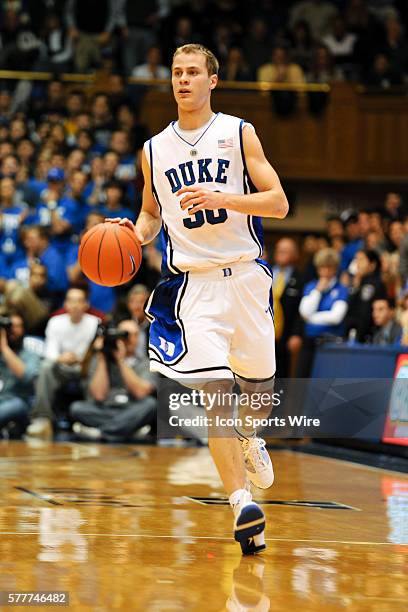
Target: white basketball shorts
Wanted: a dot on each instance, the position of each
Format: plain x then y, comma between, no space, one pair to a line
214,324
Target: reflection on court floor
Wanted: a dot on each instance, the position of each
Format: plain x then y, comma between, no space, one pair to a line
147,528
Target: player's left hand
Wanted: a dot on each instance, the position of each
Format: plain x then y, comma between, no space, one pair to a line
200,198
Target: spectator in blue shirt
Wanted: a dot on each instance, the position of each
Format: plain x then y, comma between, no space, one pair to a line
76,194
59,213
11,216
354,244
37,248
323,308
114,205
119,143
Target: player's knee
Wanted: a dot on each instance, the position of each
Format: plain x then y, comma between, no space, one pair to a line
257,398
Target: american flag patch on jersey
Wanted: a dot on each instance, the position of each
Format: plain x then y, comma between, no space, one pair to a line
225,143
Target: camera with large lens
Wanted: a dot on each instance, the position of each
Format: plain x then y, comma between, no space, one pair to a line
111,335
5,323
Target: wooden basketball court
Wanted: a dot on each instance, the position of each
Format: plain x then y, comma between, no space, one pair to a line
145,528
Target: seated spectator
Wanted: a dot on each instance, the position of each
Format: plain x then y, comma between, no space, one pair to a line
280,69
236,68
388,331
287,291
26,152
120,144
67,339
354,241
116,87
22,49
102,119
56,50
37,247
60,214
323,307
76,193
128,121
381,74
256,45
322,69
90,26
367,28
120,385
111,171
136,301
35,302
318,14
403,257
74,162
183,34
152,68
84,141
75,104
366,286
310,246
93,192
395,206
12,214
114,205
51,105
340,44
19,368
101,298
136,24
222,41
334,227
395,47
302,44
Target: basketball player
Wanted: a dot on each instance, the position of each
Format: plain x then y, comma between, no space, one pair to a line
207,182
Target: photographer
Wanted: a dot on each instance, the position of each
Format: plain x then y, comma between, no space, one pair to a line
67,339
119,388
18,369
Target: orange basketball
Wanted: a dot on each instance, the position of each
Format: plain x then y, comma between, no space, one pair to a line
109,254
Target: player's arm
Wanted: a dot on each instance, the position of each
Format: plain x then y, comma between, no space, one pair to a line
270,201
148,223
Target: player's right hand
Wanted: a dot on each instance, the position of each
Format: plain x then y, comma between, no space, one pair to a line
127,223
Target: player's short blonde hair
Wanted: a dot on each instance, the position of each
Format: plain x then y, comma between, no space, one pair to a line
327,257
210,59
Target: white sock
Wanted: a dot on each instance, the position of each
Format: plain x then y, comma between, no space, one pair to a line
236,496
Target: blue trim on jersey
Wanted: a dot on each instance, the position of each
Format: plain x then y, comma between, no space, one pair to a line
268,271
163,248
254,223
193,144
167,260
167,335
151,176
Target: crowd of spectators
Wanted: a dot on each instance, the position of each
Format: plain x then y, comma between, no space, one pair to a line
293,41
349,284
69,159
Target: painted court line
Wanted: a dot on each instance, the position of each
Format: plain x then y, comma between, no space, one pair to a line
195,537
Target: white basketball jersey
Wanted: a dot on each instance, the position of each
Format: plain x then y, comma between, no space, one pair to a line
215,161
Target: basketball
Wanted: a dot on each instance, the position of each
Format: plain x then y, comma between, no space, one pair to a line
109,254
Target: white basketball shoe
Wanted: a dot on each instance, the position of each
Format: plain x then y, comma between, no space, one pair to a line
249,524
258,463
